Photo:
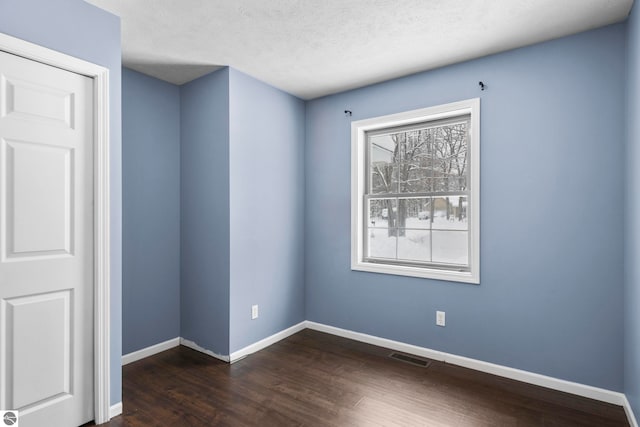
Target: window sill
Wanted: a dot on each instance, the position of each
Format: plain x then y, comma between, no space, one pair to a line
425,273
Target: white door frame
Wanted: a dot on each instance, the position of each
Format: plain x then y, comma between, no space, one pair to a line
101,216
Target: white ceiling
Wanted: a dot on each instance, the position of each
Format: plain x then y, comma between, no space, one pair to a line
312,48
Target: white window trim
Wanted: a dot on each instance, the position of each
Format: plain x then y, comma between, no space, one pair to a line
358,145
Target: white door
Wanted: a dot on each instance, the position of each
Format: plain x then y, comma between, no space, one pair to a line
46,243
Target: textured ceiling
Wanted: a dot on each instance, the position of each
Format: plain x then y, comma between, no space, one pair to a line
312,48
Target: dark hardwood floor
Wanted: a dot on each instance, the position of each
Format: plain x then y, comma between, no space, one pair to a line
315,379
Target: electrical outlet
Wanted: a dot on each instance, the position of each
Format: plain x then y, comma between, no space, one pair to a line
254,312
440,318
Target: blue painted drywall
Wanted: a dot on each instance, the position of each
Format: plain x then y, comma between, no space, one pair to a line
150,211
550,298
79,29
204,200
632,216
266,209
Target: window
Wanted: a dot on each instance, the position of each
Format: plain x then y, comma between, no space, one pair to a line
415,193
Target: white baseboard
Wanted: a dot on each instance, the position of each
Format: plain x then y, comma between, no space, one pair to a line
578,389
196,347
596,393
115,410
630,416
150,351
266,342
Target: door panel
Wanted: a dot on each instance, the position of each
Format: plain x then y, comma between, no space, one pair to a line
36,102
39,206
52,373
46,243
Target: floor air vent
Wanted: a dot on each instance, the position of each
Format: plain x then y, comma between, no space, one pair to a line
410,359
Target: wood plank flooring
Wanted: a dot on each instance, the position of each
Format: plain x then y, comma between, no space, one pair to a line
316,379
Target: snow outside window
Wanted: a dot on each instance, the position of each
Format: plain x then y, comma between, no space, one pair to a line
415,191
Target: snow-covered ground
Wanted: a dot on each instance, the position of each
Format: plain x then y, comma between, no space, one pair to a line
443,241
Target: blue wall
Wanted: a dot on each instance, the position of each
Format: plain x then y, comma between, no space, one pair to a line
150,211
242,199
550,298
84,31
632,218
204,201
266,209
